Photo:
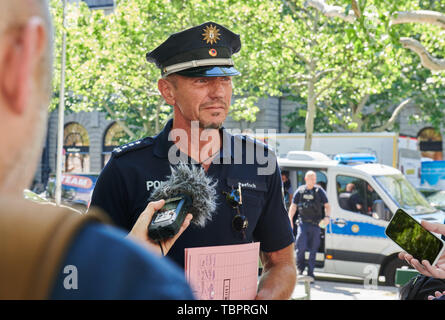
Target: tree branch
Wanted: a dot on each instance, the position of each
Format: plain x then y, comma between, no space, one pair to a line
426,59
330,83
298,85
320,74
330,11
297,54
355,7
394,115
419,16
362,103
357,112
121,123
290,6
299,77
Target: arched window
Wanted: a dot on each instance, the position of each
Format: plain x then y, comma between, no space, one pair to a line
76,145
114,136
430,143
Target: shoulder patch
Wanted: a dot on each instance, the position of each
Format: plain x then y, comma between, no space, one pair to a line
132,146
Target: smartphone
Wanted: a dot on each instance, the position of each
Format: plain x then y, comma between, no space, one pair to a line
409,234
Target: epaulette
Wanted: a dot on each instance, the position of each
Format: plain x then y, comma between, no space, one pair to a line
252,141
132,146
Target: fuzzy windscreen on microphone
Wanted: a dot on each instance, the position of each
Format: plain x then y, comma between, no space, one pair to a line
191,180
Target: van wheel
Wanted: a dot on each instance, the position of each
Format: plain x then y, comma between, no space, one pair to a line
390,271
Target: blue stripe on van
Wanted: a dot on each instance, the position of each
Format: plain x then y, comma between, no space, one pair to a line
360,229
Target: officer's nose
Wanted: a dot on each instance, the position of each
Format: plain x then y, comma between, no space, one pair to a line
217,89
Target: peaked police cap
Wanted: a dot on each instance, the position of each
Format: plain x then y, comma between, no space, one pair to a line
201,51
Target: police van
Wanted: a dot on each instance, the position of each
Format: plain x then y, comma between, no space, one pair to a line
363,195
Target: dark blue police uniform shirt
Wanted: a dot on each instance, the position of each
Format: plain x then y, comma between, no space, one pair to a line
126,182
298,193
111,267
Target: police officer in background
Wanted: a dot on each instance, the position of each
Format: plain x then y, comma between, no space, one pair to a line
308,204
287,189
197,69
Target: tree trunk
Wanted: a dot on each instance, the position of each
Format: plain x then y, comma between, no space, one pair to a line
310,115
357,112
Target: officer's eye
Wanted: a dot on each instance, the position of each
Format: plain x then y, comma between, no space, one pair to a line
201,80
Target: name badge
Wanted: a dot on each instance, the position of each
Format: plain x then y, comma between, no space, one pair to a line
247,184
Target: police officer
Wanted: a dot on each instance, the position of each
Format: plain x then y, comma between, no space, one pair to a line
307,206
197,69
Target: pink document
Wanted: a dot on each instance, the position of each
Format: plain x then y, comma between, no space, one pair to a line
223,272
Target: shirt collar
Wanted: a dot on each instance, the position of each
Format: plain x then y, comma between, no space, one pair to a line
163,144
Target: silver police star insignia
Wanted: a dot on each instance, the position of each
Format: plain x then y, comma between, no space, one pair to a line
211,34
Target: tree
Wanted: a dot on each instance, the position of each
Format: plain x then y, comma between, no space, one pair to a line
352,73
384,24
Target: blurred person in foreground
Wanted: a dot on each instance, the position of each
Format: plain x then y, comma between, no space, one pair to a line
50,252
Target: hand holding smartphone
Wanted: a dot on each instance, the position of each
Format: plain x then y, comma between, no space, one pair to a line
413,238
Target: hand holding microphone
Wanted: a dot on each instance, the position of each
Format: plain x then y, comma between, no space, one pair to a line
139,230
188,196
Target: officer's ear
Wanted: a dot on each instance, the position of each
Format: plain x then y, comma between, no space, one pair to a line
20,53
166,87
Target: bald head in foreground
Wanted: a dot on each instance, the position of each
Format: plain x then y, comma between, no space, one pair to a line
25,89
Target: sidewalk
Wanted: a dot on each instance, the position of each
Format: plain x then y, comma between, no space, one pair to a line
331,287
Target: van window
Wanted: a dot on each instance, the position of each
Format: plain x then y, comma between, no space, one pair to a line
355,194
321,177
404,194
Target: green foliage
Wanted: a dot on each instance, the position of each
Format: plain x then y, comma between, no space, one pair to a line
106,67
391,73
284,44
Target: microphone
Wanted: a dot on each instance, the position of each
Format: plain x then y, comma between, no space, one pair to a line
187,190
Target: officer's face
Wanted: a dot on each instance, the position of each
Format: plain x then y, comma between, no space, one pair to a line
203,99
310,180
